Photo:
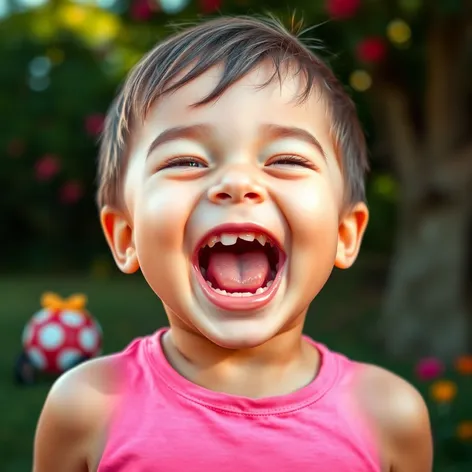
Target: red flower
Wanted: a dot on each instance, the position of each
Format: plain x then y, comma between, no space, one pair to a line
429,368
463,365
94,124
47,167
342,9
71,192
210,6
371,49
141,10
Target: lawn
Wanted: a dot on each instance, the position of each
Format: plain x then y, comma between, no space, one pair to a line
127,308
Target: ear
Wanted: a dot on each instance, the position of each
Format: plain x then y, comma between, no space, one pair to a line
350,233
119,236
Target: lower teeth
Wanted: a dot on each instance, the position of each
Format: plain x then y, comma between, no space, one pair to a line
240,294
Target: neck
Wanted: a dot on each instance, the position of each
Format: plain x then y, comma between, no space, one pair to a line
280,366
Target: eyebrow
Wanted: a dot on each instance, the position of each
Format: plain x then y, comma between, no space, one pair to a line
193,133
278,131
196,133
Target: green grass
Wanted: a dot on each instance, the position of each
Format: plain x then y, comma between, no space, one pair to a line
127,308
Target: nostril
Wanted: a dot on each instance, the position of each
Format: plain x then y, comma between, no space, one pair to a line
236,194
223,196
252,196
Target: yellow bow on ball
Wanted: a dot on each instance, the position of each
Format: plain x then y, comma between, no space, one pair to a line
52,301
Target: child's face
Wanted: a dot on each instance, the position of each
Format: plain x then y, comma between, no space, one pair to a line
234,169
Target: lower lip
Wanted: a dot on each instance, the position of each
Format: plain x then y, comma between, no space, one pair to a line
245,303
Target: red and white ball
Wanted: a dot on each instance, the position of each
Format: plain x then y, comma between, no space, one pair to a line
55,340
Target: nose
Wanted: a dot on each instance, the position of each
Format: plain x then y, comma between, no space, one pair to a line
237,186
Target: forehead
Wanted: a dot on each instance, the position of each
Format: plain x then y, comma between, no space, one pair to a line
245,104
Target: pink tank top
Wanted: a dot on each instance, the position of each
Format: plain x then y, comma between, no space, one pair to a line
167,424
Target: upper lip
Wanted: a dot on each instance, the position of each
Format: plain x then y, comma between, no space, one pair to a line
237,228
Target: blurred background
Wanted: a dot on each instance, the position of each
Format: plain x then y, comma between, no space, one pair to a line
406,305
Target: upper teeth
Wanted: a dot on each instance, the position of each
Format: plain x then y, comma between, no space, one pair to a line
229,239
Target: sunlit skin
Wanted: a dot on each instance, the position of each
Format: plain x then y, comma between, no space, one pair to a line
243,163
254,156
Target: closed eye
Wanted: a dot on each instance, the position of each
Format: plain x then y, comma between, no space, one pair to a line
192,162
182,161
291,160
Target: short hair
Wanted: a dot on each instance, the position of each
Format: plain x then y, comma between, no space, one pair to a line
240,44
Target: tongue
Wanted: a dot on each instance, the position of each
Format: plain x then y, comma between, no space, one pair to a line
244,272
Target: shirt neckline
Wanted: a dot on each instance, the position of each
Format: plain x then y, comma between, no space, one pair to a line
239,405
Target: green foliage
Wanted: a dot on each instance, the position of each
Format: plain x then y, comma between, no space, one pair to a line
451,418
382,194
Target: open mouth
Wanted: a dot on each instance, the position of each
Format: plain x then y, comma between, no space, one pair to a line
239,263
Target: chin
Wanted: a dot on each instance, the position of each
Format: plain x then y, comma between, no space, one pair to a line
239,334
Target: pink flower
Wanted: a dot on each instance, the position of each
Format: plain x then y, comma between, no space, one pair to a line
94,124
371,49
141,10
429,368
210,6
71,192
342,9
47,167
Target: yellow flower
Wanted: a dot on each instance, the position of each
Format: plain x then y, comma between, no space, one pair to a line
398,32
463,365
72,16
443,391
464,431
360,80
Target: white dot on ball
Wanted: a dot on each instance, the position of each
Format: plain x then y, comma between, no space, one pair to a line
88,339
27,334
72,318
37,358
51,336
41,315
67,358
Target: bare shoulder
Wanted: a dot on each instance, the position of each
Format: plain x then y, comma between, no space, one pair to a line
75,414
400,416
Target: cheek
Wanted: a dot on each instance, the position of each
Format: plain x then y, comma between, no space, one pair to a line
312,212
159,226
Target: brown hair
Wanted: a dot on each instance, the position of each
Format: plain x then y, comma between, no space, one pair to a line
240,44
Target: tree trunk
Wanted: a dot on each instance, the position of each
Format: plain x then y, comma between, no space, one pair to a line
425,306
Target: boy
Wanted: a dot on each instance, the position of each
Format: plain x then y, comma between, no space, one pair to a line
231,174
